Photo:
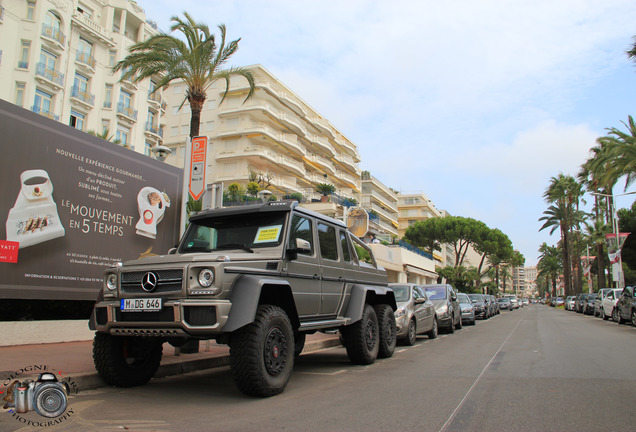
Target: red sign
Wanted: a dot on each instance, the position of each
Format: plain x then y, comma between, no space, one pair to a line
9,251
197,166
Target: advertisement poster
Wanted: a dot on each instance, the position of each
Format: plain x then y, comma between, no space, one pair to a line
73,204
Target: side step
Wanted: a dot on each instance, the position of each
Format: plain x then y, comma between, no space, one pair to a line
324,324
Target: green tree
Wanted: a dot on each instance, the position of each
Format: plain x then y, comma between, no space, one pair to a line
198,62
549,266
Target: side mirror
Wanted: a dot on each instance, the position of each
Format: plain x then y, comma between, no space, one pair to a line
420,300
302,246
172,251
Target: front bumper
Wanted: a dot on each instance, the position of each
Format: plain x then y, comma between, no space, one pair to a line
177,318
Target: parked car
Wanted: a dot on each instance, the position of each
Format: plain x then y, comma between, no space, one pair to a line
466,306
560,301
609,303
569,302
504,303
579,303
526,302
495,305
480,305
415,313
513,300
444,297
626,306
588,305
598,303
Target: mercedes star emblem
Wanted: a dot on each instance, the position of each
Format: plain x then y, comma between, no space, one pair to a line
149,282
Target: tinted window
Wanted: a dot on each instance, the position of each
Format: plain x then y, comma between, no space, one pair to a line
327,239
301,228
436,293
346,253
401,292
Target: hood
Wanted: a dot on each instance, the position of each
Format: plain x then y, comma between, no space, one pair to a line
438,303
214,256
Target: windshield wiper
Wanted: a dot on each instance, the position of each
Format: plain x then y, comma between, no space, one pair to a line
234,246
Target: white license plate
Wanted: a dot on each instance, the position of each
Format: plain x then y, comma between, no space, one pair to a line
141,305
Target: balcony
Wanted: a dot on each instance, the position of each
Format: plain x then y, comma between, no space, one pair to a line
322,143
49,76
85,61
155,100
128,83
126,112
347,161
92,28
37,109
153,130
322,125
54,37
291,164
348,179
323,163
83,97
250,128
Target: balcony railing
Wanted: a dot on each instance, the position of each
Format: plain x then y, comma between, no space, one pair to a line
23,64
413,249
155,97
85,58
52,75
93,28
83,96
38,109
154,129
127,111
53,33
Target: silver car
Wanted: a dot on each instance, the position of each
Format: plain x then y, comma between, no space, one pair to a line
415,313
444,297
466,306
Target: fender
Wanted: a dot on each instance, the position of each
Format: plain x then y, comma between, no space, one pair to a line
244,296
361,294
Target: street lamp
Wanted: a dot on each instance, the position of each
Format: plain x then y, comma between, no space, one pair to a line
621,276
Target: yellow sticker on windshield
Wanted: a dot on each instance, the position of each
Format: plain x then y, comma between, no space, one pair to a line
268,234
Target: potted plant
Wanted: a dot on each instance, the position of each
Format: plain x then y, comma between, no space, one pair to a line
325,189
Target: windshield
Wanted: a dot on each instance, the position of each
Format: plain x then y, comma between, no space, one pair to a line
243,231
503,300
401,293
463,298
476,297
436,293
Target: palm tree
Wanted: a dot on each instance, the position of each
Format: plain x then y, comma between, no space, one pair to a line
595,234
549,265
564,193
197,62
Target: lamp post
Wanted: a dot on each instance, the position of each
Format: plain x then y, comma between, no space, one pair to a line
620,283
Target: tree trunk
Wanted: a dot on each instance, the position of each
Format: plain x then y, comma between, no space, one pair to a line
196,106
567,274
600,266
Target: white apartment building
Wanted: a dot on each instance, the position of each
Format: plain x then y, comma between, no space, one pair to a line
381,204
56,59
274,137
524,280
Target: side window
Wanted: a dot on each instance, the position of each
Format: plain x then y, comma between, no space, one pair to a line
346,252
327,239
301,228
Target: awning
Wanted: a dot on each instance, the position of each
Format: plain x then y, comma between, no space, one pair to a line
420,271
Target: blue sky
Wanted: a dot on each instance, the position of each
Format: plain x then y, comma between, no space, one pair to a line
475,103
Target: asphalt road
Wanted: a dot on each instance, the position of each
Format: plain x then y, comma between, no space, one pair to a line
533,369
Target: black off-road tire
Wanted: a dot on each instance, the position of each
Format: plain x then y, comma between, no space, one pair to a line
362,338
411,334
388,330
432,334
262,353
126,361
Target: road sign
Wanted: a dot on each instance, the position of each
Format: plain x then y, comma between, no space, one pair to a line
197,166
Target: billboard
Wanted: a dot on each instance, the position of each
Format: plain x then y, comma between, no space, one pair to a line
73,204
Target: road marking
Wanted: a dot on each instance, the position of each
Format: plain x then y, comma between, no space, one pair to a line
452,416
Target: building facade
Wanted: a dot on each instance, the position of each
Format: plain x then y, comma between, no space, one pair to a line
274,138
56,59
381,204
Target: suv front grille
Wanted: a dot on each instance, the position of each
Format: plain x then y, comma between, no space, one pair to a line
168,281
164,315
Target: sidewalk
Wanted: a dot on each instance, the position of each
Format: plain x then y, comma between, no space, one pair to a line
75,358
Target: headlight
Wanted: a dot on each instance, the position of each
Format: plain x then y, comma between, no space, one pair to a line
442,309
111,282
206,278
400,312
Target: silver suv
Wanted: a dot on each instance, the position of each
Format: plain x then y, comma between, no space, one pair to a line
258,278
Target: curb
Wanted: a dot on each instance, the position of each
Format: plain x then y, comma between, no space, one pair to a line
92,380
